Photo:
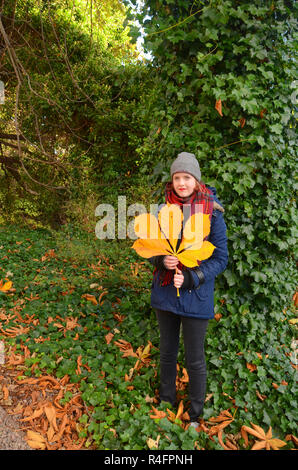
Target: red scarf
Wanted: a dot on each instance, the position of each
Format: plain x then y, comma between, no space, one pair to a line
205,197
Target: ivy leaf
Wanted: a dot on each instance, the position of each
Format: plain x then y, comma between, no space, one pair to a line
261,141
276,128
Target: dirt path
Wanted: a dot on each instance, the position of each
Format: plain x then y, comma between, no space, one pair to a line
11,437
31,407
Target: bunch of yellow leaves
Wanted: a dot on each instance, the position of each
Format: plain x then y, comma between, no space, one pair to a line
160,236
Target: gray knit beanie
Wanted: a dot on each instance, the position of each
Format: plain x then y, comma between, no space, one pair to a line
186,163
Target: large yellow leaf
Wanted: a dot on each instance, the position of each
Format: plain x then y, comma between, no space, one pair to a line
187,245
170,219
160,237
190,257
6,286
196,228
148,248
146,226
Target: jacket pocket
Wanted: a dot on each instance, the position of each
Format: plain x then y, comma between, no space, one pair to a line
203,291
194,300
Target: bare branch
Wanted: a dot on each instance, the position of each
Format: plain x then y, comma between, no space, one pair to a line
33,159
10,136
11,52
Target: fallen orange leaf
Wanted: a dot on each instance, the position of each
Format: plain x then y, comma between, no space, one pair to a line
261,397
47,380
223,420
180,410
71,323
125,347
49,254
184,377
15,359
90,297
265,439
119,317
218,106
251,367
15,331
36,440
5,392
291,437
242,122
63,424
158,414
231,445
36,414
50,433
101,296
143,354
109,337
79,363
29,381
51,415
220,440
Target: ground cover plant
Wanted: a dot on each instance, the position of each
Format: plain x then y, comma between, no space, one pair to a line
81,347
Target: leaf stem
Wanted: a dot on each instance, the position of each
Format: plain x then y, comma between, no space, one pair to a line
178,293
177,24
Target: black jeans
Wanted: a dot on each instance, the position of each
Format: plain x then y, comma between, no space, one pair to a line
194,330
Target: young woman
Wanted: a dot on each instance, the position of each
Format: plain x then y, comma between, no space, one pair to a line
195,305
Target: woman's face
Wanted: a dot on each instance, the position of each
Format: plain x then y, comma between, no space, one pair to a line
184,184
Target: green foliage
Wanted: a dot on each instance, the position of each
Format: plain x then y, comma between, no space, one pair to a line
79,104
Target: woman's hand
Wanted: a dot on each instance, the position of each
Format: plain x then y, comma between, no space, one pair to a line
178,279
170,262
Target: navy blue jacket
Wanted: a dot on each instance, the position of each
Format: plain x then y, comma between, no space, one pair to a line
197,301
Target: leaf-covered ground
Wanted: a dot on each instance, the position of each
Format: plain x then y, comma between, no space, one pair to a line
81,356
